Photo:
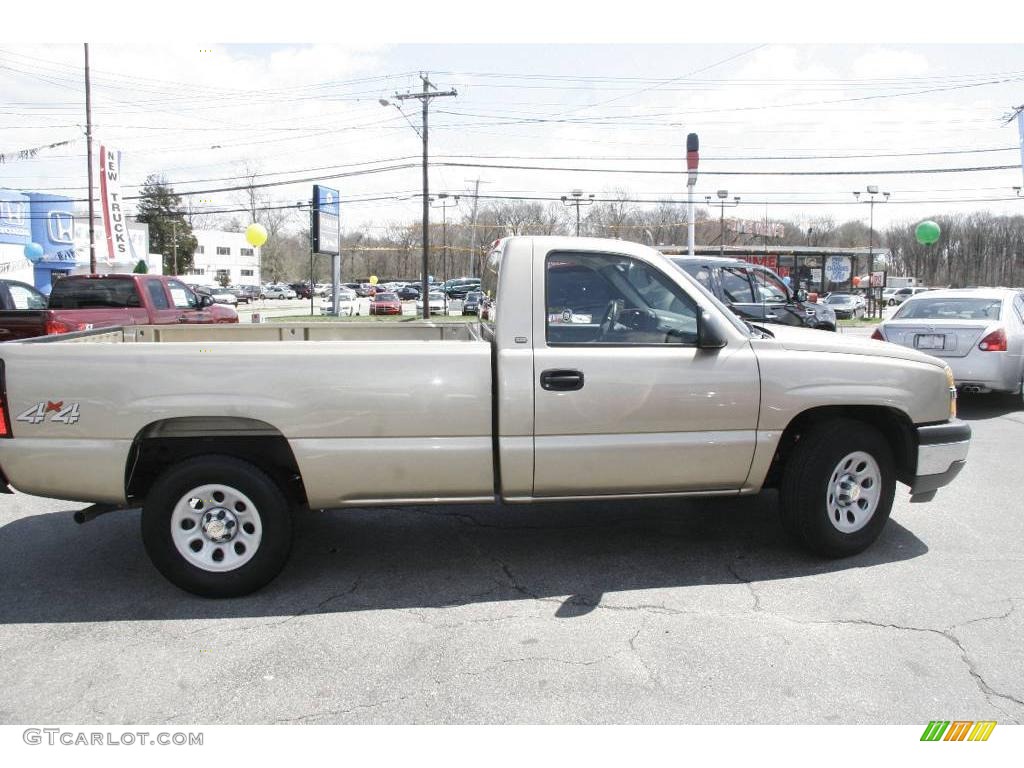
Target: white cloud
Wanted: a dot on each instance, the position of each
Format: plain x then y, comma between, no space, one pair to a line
888,63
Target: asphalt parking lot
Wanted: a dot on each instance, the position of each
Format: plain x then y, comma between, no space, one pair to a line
652,612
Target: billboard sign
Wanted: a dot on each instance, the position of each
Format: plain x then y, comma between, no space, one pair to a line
326,221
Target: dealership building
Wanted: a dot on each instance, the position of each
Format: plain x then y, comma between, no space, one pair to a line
60,234
224,255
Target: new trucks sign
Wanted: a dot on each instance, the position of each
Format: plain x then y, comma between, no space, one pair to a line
114,222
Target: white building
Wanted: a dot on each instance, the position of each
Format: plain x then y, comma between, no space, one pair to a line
224,253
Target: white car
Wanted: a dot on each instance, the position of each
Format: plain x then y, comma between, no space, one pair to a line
348,303
903,294
436,302
222,296
278,292
979,332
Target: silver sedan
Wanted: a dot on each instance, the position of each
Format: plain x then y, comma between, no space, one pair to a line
979,332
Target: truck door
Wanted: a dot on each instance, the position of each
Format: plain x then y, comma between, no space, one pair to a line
187,304
625,402
159,301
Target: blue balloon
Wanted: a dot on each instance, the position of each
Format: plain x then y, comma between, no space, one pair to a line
33,251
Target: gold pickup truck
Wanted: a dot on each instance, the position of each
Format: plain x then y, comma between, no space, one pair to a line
599,370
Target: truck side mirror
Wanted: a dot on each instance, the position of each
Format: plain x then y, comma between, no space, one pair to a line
205,301
709,332
800,294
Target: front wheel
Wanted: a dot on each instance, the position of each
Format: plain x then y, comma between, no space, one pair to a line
217,526
837,487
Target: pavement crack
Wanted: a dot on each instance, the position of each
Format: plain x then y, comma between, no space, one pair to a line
986,689
317,608
731,565
342,712
640,658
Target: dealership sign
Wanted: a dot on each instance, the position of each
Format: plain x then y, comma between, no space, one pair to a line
837,268
114,221
15,222
326,221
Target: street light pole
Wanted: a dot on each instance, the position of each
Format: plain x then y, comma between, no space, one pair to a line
444,206
577,200
722,204
872,191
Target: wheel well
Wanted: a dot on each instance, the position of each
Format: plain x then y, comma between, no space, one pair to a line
895,426
170,441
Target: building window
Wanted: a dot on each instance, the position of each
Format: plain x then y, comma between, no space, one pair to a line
223,251
223,275
200,249
247,252
246,273
197,271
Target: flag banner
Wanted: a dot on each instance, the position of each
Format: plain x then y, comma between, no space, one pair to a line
1020,129
115,223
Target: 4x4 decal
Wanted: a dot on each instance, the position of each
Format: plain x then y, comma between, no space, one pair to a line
62,414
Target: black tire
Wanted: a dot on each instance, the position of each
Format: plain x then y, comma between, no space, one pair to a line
274,517
806,477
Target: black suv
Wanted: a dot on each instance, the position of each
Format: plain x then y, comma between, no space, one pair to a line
755,293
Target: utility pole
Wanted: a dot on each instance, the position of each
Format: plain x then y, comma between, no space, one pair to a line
174,244
424,97
577,200
472,235
722,205
88,156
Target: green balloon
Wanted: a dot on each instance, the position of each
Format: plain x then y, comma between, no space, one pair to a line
927,232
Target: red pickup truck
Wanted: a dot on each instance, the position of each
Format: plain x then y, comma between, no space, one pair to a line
83,302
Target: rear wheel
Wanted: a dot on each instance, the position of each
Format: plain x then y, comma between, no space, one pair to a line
217,526
838,487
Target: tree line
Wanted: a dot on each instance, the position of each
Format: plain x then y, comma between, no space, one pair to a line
977,248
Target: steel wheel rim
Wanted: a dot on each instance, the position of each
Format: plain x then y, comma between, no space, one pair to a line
853,492
216,528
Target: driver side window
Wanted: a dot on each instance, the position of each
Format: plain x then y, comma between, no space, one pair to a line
597,298
182,295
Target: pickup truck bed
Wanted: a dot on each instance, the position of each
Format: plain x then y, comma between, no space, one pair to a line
600,371
355,430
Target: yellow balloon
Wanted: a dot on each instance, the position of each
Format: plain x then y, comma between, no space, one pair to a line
256,235
373,279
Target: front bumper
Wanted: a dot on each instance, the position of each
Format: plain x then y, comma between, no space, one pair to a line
941,454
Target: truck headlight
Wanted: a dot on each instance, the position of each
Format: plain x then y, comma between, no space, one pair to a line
952,392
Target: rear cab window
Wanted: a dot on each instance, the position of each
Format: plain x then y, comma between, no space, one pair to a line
104,293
